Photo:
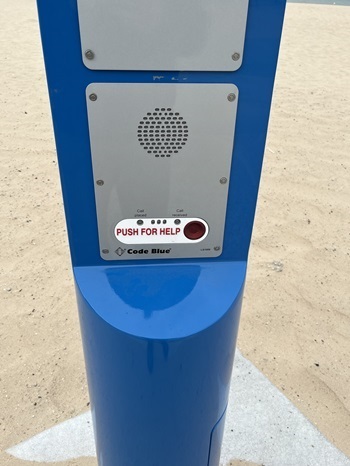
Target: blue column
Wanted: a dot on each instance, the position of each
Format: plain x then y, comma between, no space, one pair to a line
159,343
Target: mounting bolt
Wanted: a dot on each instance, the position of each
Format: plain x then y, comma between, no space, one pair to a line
223,180
230,97
100,182
89,54
105,251
236,56
217,248
93,97
140,222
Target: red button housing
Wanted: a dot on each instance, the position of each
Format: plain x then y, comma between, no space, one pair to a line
195,230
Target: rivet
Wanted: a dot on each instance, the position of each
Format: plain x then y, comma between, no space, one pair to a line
236,56
93,97
217,248
105,251
89,54
100,182
223,180
230,97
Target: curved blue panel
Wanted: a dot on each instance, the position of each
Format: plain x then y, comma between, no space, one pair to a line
158,369
216,441
162,301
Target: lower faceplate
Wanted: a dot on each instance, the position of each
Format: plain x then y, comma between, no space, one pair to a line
161,151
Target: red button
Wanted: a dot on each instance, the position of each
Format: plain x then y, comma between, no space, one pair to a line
195,230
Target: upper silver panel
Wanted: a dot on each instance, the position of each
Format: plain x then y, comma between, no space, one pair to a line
192,35
161,151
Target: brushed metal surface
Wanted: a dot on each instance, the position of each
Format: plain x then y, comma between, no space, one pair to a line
141,184
197,35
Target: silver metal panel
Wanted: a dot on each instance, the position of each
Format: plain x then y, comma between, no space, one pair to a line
197,35
161,151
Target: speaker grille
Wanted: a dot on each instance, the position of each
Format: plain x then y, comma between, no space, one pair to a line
163,132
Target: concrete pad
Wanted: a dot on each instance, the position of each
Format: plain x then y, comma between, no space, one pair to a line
262,427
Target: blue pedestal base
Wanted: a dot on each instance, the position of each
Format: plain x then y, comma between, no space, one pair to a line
159,344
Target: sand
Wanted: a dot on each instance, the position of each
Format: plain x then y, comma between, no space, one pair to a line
296,317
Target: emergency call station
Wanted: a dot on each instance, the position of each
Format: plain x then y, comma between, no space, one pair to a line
160,111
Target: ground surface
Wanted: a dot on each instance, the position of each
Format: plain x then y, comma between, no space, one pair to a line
296,318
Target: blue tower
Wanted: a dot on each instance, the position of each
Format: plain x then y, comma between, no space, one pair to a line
160,112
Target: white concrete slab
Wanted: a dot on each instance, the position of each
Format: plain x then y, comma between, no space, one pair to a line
262,426
70,439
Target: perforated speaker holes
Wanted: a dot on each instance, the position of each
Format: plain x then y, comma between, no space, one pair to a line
162,132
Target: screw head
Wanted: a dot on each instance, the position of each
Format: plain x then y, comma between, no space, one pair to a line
93,97
230,97
140,222
100,182
89,54
236,56
217,248
223,180
177,222
105,251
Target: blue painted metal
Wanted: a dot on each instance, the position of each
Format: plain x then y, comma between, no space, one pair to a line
159,336
216,441
68,77
158,361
